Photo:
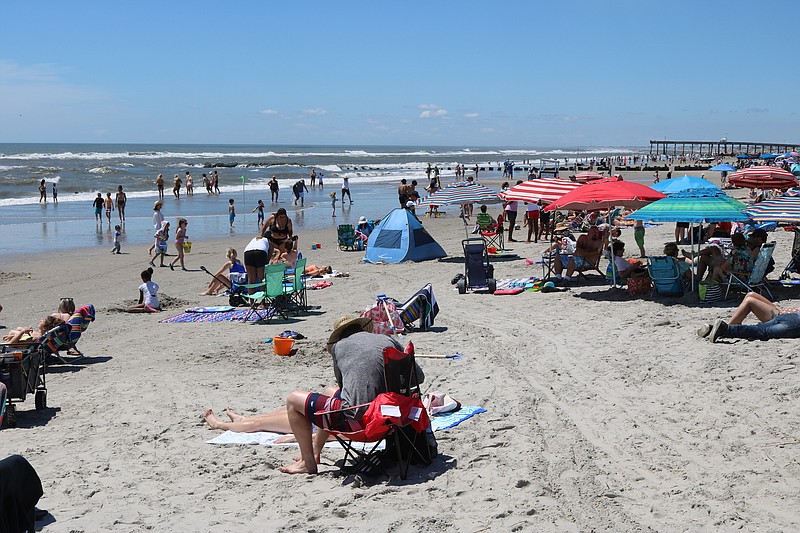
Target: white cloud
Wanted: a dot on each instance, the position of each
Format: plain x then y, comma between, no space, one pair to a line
431,111
268,112
317,111
12,72
428,106
471,115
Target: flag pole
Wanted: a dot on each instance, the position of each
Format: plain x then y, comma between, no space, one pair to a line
244,204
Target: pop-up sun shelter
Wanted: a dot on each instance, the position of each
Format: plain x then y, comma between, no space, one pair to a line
400,237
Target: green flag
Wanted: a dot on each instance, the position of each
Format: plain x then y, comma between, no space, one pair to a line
243,180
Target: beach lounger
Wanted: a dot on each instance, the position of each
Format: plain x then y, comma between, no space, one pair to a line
665,275
397,416
757,279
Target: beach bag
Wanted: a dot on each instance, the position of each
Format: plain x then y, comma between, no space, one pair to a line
639,285
710,292
381,323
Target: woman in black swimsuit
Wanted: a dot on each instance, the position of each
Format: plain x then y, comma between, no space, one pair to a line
277,229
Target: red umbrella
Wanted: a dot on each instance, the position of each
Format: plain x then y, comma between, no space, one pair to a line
590,175
544,189
763,177
604,193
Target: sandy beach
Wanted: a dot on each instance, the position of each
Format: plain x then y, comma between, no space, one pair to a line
604,412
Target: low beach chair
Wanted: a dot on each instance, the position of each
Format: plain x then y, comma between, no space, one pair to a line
270,297
294,287
666,276
757,279
346,235
421,306
397,416
793,267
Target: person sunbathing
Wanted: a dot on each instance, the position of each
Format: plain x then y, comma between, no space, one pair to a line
709,259
66,307
775,322
220,280
24,335
587,253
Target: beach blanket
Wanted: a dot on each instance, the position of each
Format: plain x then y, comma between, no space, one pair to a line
266,438
320,285
211,309
439,422
524,283
225,316
444,421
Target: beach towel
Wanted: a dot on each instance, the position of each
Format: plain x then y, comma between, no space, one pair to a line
320,285
211,309
448,420
226,316
266,438
523,283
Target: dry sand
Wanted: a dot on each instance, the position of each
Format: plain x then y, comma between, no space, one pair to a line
605,412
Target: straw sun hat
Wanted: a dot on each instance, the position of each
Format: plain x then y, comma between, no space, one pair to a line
344,323
158,204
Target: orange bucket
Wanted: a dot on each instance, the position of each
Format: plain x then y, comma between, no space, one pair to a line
282,346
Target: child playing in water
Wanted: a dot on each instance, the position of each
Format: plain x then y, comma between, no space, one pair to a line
117,235
333,203
231,212
260,209
109,205
148,295
162,236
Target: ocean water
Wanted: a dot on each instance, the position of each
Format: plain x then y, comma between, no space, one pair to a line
82,170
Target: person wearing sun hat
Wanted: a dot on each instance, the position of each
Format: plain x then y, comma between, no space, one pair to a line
158,218
363,229
358,366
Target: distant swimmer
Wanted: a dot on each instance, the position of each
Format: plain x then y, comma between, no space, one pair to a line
55,193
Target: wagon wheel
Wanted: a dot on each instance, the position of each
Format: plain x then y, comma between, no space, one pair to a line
41,399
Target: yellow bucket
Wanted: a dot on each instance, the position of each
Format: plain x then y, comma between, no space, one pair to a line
187,247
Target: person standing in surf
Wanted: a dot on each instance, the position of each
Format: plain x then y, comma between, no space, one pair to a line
160,186
122,199
273,188
43,192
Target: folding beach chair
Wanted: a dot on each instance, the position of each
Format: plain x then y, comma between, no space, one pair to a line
478,271
421,306
269,298
397,416
65,337
346,234
294,286
793,267
757,279
665,275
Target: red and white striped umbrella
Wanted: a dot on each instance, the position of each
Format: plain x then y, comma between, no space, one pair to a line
763,177
589,175
545,189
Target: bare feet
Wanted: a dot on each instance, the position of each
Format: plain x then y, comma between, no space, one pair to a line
233,416
212,420
298,467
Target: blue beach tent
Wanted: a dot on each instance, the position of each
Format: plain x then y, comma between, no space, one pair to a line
400,237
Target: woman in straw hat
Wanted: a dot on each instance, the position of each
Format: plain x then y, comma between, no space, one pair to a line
358,365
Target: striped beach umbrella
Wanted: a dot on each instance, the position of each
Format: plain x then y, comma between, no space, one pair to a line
763,177
780,209
545,189
606,193
462,194
588,176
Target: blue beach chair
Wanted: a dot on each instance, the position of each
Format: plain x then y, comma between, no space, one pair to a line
666,275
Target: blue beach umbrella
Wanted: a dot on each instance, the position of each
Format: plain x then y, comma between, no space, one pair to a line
723,167
768,156
683,183
795,169
742,156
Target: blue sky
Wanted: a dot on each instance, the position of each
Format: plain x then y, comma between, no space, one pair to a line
420,73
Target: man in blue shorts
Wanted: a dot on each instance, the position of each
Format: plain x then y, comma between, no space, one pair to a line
587,252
